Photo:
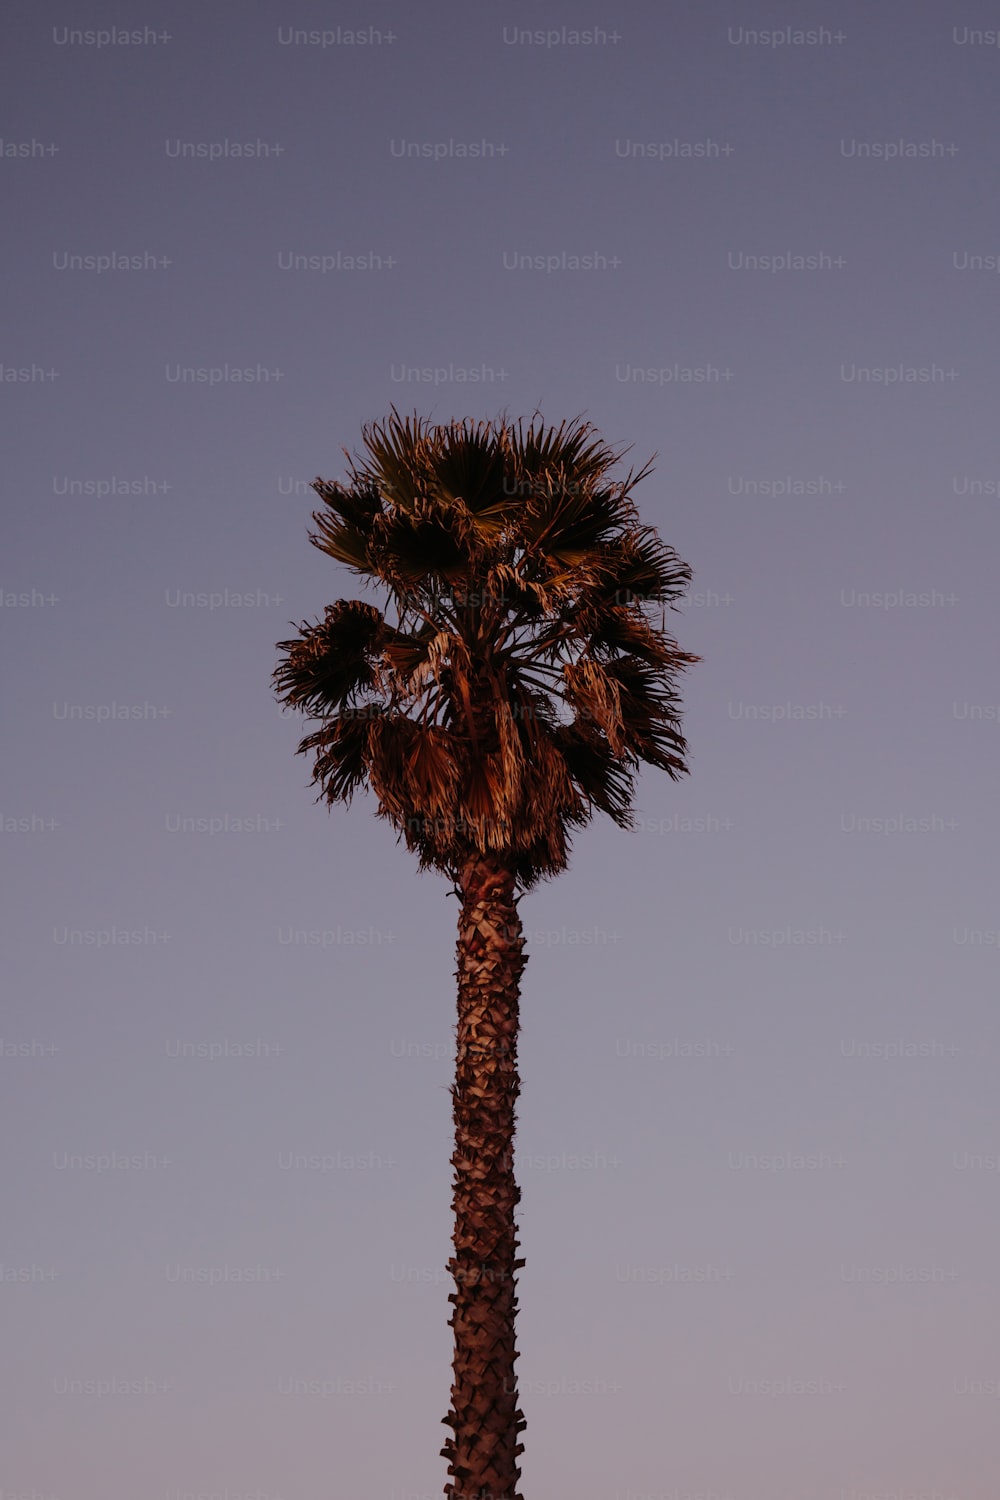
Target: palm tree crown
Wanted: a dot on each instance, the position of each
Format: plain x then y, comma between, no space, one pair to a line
523,680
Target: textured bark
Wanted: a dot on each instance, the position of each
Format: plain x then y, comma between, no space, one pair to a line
485,1417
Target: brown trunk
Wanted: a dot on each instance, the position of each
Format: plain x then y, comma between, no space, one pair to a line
485,1417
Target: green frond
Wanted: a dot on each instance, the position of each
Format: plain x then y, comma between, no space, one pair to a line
331,661
619,630
470,468
639,568
399,458
540,450
420,548
568,525
345,541
356,506
650,715
602,777
341,754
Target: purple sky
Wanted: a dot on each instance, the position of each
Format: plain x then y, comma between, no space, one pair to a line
758,1140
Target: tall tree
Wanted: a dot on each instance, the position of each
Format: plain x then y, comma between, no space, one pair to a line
519,687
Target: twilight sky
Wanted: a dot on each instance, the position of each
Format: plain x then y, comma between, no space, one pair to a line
758,1143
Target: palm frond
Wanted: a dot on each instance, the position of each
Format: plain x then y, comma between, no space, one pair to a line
331,661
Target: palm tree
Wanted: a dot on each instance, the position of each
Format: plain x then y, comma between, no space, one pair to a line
519,688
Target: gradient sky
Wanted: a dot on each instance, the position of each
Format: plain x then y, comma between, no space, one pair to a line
758,1131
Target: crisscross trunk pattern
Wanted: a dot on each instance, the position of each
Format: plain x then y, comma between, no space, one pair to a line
485,1418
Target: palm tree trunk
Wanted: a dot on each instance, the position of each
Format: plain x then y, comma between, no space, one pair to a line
485,1416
